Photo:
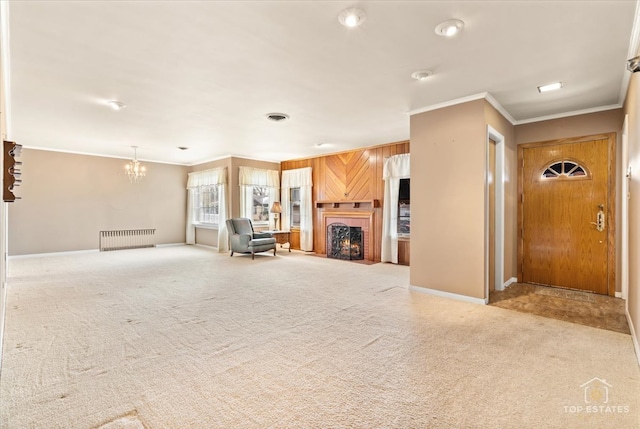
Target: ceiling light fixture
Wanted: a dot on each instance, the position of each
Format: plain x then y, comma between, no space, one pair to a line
421,74
277,117
449,28
135,170
116,105
551,87
352,17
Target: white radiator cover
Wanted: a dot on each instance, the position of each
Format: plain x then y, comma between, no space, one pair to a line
121,239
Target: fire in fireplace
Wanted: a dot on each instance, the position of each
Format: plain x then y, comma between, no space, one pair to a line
344,242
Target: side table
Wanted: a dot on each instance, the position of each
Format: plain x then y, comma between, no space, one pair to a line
281,237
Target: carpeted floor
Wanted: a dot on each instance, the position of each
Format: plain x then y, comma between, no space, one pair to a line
183,337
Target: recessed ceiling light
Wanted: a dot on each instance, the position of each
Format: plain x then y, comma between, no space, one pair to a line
550,87
277,117
116,105
183,147
352,17
449,28
421,74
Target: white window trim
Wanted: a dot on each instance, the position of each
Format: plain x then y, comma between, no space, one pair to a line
216,176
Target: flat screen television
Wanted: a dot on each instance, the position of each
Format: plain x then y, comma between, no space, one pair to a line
405,190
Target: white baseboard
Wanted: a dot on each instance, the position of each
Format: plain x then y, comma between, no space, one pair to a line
449,295
214,248
75,252
206,246
509,282
39,255
634,337
618,294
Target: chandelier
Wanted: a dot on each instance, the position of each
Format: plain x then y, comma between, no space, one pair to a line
135,170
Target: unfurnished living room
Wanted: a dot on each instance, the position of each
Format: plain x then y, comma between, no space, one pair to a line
320,214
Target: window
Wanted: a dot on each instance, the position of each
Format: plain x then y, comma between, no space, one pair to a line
404,208
207,204
565,169
260,206
258,191
294,208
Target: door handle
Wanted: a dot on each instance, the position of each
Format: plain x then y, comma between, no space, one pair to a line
599,223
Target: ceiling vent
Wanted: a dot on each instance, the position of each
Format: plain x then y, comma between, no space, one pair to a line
277,117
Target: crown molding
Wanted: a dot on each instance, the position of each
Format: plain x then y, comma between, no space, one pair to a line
218,158
500,109
567,114
456,101
491,100
71,152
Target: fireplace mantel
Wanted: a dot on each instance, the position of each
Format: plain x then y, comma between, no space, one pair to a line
354,204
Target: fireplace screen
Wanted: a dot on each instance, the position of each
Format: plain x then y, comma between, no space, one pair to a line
344,242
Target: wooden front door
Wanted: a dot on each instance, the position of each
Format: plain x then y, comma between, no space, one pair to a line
567,213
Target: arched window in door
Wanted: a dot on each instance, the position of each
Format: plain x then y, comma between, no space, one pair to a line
564,169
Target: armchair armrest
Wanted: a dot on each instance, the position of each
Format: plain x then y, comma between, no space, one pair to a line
240,241
262,235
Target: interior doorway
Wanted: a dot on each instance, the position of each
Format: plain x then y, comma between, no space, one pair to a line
492,215
494,211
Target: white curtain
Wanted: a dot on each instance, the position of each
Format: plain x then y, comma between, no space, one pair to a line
216,176
299,178
249,177
395,168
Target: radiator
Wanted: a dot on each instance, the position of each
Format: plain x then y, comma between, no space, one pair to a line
127,239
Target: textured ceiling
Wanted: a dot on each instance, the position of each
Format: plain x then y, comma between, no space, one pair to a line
204,74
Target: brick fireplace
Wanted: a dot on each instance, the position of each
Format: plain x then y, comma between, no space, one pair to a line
355,219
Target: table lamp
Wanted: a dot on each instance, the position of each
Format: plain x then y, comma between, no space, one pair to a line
276,209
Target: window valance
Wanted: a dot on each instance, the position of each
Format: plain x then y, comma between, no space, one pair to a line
296,178
249,176
397,166
214,176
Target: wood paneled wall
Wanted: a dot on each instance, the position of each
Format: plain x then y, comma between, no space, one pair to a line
354,175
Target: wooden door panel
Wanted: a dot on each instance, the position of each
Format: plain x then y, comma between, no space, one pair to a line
561,247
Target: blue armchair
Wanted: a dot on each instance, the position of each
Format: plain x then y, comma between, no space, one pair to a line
243,239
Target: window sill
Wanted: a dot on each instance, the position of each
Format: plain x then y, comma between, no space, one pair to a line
206,225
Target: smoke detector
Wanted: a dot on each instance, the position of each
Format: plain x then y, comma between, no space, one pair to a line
277,117
421,74
116,105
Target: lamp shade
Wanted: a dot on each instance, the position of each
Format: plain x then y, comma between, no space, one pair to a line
276,207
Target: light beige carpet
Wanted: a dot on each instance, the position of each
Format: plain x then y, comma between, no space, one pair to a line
183,337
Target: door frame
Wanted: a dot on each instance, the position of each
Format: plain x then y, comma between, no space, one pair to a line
499,181
625,174
611,206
